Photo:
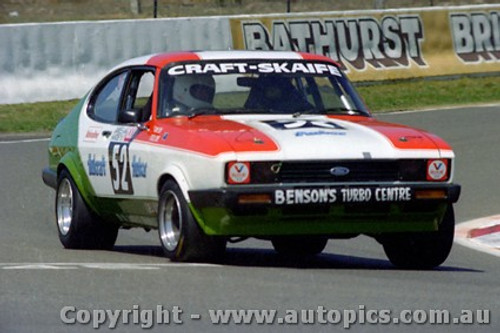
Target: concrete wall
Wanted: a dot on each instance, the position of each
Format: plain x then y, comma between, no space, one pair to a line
54,61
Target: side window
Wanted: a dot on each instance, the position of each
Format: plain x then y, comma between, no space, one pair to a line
144,90
140,93
107,102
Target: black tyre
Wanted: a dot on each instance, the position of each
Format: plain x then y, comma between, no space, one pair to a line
77,226
181,237
424,250
299,246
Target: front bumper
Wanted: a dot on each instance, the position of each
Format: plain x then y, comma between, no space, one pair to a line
322,210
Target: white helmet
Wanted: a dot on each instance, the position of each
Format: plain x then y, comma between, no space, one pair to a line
194,91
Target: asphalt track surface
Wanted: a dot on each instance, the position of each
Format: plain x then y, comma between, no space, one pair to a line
38,277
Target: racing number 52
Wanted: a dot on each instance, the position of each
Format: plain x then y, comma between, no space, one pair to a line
119,167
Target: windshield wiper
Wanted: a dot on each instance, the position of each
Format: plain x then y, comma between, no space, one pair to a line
336,110
200,112
306,111
343,110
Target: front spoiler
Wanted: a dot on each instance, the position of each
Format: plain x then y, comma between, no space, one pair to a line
49,177
219,212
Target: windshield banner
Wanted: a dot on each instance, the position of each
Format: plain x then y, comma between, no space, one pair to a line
384,45
259,68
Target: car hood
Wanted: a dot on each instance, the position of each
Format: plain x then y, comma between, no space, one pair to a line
299,138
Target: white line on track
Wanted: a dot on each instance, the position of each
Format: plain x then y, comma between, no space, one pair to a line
23,141
97,265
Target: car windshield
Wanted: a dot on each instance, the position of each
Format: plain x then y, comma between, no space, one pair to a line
265,87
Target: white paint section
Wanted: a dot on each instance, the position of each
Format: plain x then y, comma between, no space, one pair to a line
488,243
222,55
134,61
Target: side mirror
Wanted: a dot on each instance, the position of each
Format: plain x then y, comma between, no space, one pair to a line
130,116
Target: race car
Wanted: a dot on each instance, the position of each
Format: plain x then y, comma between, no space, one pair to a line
216,146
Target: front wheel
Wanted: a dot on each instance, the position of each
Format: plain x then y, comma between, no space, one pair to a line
424,250
181,237
77,226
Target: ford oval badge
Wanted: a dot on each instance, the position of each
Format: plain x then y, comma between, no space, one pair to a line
339,171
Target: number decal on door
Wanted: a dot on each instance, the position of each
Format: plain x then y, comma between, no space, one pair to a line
119,166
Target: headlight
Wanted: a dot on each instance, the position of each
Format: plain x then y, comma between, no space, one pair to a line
252,172
238,173
438,170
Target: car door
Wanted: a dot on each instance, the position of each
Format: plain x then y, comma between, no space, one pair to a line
106,134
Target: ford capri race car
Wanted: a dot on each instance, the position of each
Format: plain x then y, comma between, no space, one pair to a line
210,147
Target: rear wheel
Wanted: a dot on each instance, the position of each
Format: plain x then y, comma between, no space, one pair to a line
299,246
77,226
424,250
181,237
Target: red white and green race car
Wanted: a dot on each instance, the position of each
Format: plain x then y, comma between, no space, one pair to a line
214,146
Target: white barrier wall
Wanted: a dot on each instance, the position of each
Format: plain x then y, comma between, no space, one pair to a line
57,61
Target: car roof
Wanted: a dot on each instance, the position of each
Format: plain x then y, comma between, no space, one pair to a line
162,59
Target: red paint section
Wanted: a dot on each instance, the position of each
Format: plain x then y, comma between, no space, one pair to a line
208,135
317,57
161,60
402,137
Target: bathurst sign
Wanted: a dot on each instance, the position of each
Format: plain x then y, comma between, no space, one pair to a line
393,41
381,45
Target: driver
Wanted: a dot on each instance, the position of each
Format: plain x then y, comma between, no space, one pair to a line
193,92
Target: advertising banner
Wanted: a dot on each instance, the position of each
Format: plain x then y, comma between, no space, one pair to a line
385,44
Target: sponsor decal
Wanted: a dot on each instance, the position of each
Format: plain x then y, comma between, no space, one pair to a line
239,173
92,134
476,36
317,133
154,138
123,134
392,41
97,167
302,124
259,68
344,195
437,170
139,168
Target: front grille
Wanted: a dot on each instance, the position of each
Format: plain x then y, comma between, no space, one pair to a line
321,171
359,171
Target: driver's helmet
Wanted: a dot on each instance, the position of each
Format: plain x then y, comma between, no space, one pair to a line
194,91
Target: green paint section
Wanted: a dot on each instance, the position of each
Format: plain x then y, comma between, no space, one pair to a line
130,212
220,221
63,151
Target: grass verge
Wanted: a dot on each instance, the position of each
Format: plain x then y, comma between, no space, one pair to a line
408,95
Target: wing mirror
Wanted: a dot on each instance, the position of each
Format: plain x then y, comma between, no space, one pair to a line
130,116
